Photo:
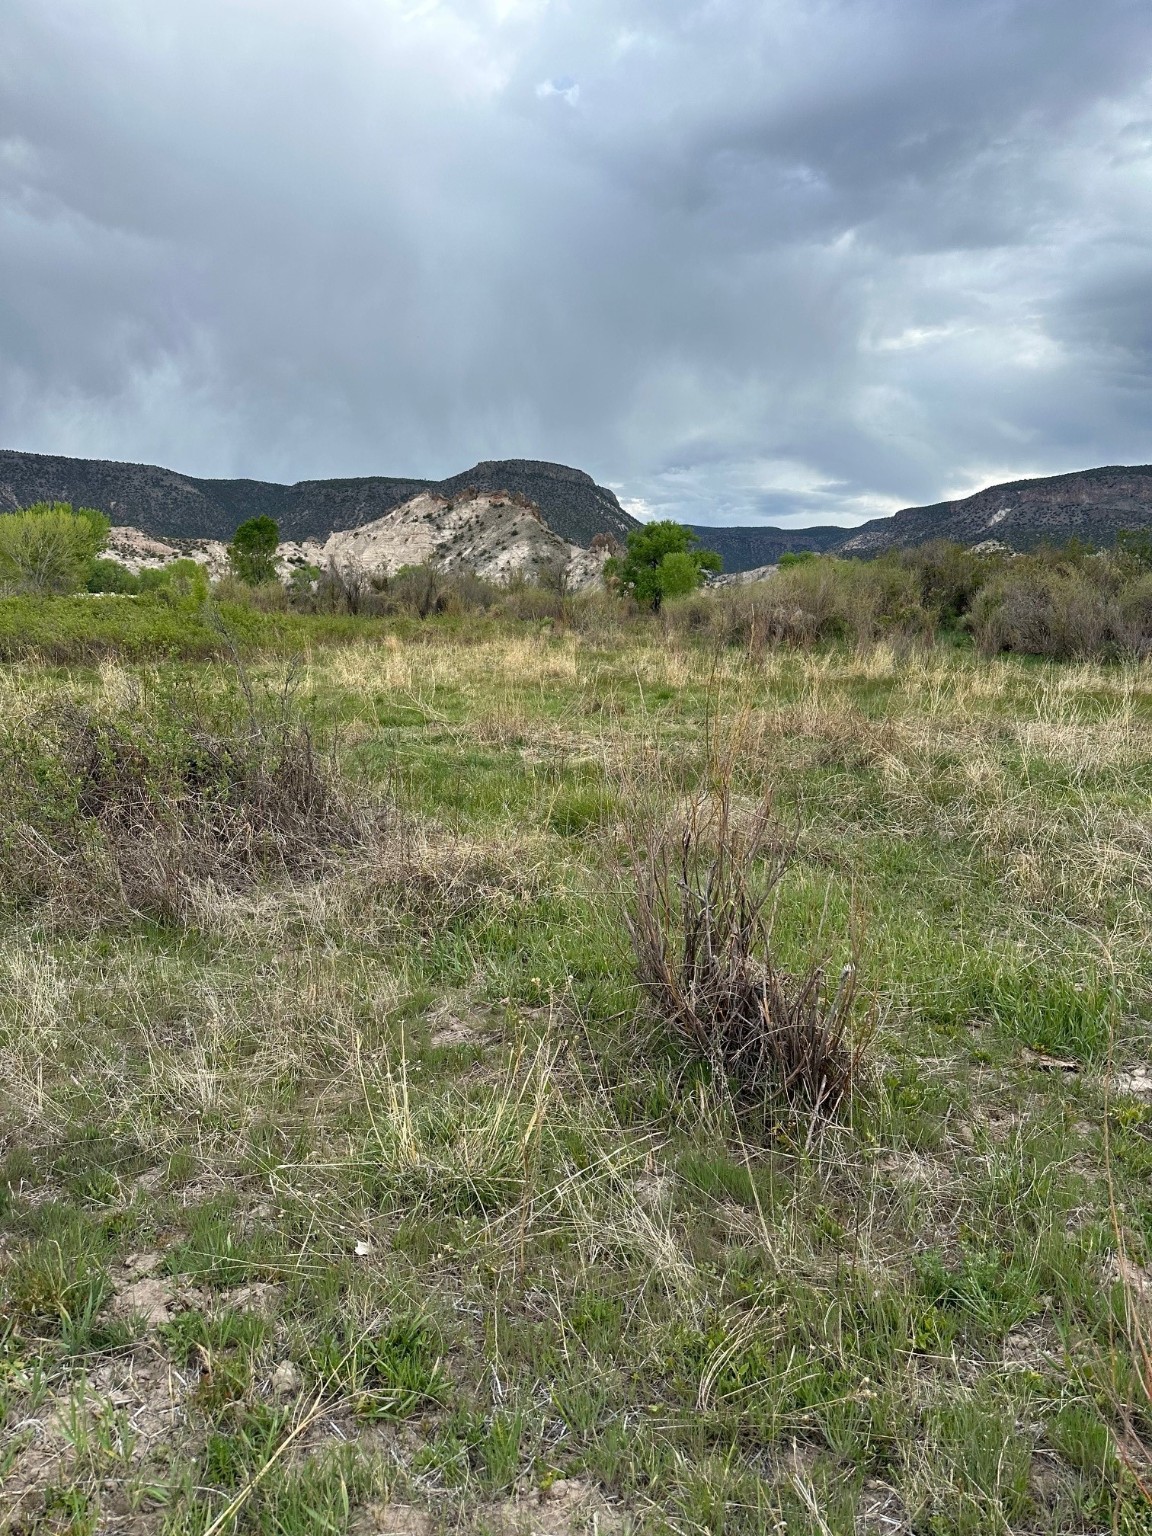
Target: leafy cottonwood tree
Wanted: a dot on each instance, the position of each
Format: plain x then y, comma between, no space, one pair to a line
252,552
49,548
661,561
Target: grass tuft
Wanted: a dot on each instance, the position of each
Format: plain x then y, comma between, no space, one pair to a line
703,950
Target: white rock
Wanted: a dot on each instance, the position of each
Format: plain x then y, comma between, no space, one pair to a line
286,1380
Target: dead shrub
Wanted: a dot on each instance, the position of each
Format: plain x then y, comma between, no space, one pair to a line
1060,614
127,811
702,940
431,879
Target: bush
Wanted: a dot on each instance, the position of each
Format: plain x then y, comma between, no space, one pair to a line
49,548
128,811
1068,613
111,576
267,597
704,957
818,599
949,576
182,582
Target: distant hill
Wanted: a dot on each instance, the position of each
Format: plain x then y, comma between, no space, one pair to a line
744,549
498,535
174,506
1092,505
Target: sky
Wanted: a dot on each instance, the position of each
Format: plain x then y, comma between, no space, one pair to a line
744,261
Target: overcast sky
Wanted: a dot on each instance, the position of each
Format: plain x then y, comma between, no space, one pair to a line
743,260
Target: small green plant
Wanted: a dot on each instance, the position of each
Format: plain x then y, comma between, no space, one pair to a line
388,1374
235,1452
192,1336
214,1253
986,1288
1055,1013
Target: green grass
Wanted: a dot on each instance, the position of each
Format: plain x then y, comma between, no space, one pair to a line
401,1147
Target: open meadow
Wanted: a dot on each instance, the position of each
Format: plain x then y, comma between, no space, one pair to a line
350,1179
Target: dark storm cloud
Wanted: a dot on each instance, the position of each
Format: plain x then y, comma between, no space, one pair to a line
786,260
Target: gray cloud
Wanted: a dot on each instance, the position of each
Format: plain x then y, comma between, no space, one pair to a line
779,259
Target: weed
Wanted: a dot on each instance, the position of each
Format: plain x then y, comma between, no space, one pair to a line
136,808
388,1374
703,955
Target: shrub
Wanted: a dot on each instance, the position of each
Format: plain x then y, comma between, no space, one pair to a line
703,954
128,811
49,548
1067,614
111,576
180,582
818,599
267,597
949,576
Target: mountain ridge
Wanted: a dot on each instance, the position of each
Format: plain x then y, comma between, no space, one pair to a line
1091,504
167,504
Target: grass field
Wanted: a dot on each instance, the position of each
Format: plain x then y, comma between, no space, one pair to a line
371,1196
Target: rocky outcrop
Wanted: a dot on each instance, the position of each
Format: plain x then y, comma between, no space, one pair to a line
495,534
138,551
499,536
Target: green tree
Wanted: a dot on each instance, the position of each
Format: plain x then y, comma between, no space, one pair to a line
661,561
252,552
49,548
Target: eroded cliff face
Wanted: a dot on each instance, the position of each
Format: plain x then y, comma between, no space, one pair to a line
497,535
138,551
1091,504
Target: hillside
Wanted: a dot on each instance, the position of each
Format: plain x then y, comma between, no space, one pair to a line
746,549
494,534
1092,505
169,505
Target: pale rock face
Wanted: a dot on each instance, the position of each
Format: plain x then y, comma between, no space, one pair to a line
297,557
138,552
496,535
742,578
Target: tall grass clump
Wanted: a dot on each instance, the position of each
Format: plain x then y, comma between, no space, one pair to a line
127,809
816,600
700,930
